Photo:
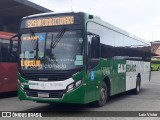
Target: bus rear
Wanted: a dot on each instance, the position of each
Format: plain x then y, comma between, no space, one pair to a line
8,62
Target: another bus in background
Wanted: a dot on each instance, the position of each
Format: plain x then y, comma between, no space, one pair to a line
8,62
155,63
155,60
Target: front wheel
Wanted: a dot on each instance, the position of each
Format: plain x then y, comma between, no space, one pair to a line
104,95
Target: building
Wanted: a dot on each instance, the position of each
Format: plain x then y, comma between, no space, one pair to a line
155,48
11,12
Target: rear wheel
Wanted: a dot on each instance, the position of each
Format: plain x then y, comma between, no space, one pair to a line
104,95
138,86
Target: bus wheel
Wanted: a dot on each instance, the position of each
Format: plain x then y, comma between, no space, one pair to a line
103,95
138,86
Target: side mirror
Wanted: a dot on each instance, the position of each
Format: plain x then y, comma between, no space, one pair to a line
95,47
15,37
14,46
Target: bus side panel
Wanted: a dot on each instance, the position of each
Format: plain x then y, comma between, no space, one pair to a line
119,80
134,68
95,78
146,73
8,77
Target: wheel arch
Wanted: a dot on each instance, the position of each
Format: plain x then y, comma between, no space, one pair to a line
139,75
108,84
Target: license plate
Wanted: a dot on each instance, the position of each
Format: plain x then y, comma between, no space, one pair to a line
43,95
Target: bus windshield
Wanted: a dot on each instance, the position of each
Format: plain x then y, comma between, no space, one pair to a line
59,50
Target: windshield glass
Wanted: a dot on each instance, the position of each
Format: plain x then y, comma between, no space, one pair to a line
61,50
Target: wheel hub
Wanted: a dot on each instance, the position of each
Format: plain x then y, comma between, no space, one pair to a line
103,94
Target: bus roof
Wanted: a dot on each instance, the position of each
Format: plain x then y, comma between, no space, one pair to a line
6,35
97,19
48,13
121,31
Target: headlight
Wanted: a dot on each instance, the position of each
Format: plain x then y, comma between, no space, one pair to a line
78,83
74,85
70,87
21,84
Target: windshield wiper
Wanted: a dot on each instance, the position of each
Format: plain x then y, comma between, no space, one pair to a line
58,37
34,44
32,34
37,48
55,41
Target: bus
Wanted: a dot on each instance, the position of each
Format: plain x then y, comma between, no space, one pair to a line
155,63
8,62
76,57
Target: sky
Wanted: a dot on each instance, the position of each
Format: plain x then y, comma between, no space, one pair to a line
138,17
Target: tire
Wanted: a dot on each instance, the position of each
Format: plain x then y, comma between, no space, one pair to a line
104,95
138,86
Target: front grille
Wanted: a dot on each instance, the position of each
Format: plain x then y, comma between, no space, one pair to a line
52,94
51,76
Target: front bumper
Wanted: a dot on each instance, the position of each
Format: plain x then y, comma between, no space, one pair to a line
77,95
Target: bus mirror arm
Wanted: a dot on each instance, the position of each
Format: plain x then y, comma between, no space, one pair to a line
17,35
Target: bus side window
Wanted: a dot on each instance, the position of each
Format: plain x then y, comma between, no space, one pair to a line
5,51
93,50
0,51
9,51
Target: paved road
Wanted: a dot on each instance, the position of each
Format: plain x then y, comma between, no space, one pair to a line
147,100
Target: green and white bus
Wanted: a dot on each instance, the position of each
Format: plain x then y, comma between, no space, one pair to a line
155,63
78,58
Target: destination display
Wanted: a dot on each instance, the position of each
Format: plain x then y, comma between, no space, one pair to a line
30,63
30,37
49,21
